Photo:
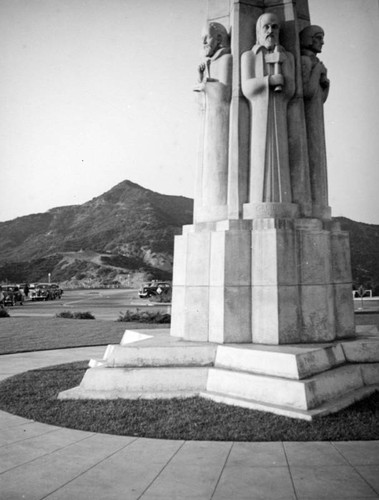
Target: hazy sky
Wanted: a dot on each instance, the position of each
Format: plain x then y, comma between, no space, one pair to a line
93,92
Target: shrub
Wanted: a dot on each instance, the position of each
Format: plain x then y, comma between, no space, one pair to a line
144,317
4,313
84,315
76,315
65,314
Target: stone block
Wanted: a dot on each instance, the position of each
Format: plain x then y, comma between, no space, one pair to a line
270,210
370,374
289,315
230,263
257,387
134,383
273,255
178,308
180,260
198,255
362,351
265,318
229,314
165,355
341,264
333,384
317,313
291,362
314,257
344,311
196,313
211,213
315,360
275,314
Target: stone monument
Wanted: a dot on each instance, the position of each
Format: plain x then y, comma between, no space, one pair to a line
262,309
276,268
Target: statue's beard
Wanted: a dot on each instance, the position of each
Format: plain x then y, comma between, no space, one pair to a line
269,42
209,51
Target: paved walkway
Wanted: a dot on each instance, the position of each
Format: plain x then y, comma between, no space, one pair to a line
39,461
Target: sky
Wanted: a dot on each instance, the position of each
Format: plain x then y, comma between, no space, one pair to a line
93,92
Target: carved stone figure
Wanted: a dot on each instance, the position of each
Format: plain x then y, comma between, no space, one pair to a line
268,82
315,90
215,80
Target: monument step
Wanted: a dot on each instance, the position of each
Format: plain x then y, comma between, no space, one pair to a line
301,394
325,409
165,355
293,362
155,381
80,393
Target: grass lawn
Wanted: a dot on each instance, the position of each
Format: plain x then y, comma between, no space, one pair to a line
33,395
38,334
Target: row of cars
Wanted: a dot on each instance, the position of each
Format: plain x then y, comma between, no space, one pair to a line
13,294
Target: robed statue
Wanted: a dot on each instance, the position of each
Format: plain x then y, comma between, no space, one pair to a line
268,83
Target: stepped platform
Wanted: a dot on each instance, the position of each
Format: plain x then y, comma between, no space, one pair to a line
302,381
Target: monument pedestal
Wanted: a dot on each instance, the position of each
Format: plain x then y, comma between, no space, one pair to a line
302,381
262,281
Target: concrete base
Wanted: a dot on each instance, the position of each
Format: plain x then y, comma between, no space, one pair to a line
300,381
262,281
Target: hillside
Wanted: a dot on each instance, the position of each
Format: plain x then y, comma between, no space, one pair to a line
364,245
125,231
125,236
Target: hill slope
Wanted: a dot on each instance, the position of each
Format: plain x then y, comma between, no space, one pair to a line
128,228
364,246
124,236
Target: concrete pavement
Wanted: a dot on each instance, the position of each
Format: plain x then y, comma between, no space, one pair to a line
39,461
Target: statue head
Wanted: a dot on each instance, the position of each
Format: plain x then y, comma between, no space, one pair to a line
215,37
312,38
268,27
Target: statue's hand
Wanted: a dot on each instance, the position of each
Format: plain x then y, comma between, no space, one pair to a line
324,82
275,57
201,70
275,80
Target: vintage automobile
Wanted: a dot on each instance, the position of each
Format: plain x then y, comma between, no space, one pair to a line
56,290
43,291
12,295
154,287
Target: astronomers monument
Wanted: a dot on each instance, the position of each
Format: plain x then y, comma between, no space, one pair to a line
263,261
262,309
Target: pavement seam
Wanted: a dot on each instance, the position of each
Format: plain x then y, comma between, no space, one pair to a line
160,472
222,470
39,435
354,467
45,454
289,471
89,468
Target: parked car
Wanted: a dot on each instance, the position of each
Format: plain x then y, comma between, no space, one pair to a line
42,291
154,287
12,295
56,290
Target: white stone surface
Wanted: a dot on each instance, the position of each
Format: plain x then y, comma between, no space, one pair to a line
285,361
370,374
131,336
112,383
258,387
300,381
362,351
167,355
